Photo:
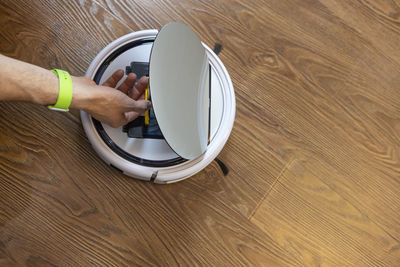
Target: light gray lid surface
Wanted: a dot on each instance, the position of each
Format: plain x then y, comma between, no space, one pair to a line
179,85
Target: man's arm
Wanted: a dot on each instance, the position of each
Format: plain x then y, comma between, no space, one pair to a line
26,82
22,81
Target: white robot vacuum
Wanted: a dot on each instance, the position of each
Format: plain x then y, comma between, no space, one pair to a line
193,107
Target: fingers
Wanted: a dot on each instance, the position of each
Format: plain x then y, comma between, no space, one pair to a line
137,91
128,83
122,109
114,79
139,88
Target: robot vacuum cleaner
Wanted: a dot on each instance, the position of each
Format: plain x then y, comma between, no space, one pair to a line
193,105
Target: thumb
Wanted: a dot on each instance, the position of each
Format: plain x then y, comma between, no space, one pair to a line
130,116
139,106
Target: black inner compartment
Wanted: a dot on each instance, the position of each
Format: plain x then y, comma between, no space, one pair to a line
137,128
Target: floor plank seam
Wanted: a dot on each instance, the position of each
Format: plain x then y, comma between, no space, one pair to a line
272,186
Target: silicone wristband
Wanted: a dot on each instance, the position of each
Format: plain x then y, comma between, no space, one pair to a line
65,91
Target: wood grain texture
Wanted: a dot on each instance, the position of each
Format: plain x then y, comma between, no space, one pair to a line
329,230
314,153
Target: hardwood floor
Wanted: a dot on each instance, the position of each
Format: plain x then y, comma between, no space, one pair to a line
314,154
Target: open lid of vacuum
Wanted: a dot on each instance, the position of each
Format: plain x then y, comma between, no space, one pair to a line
180,86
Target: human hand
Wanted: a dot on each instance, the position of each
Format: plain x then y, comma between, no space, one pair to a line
108,105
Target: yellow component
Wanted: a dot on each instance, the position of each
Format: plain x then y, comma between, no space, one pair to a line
146,113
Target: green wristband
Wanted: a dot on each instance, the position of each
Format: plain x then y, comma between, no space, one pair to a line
65,91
